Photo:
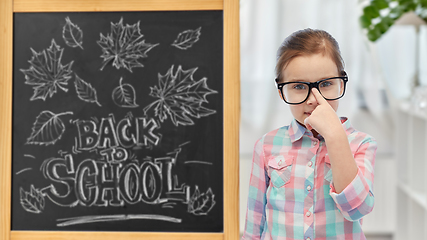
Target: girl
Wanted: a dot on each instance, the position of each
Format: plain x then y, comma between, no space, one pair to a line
312,179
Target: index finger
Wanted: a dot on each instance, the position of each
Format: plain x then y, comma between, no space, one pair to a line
320,99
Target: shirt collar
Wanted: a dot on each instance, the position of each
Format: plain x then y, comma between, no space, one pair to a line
296,130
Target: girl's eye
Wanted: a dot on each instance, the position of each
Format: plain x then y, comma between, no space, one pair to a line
325,84
299,86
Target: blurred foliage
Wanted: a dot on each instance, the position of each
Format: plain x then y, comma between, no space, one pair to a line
379,15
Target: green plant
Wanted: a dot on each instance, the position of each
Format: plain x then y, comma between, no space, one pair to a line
379,15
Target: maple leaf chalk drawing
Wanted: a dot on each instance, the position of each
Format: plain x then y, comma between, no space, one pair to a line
124,46
124,95
180,97
47,129
187,38
85,91
46,73
72,34
201,203
32,201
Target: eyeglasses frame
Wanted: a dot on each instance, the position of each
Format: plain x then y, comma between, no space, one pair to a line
310,86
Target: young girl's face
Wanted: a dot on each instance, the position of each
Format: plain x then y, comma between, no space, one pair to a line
309,68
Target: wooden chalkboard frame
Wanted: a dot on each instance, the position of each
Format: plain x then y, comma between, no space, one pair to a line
231,100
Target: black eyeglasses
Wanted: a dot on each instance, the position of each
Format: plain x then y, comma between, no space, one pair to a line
298,92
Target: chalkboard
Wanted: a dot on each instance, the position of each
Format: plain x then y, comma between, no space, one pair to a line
118,121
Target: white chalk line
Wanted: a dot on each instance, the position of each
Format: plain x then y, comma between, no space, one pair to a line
111,218
199,162
23,170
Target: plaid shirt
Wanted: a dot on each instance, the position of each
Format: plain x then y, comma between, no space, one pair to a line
291,192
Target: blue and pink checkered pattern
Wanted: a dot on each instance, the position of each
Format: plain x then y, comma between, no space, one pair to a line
291,192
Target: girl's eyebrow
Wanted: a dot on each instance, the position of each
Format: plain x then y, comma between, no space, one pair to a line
302,80
298,80
330,76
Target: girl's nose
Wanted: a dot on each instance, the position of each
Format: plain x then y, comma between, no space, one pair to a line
311,99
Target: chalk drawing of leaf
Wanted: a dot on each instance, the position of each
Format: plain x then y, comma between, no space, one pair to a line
124,95
85,91
32,201
124,46
201,204
46,72
187,38
47,129
72,34
180,97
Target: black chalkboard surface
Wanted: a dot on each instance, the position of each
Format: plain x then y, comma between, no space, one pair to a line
118,121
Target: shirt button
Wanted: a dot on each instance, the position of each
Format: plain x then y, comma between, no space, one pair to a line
280,162
308,214
308,187
310,164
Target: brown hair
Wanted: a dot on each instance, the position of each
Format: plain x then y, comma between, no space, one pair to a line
308,42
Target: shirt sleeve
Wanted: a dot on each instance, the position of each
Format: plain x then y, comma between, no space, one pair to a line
357,199
259,180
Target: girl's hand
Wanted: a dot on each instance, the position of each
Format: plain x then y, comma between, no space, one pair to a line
324,118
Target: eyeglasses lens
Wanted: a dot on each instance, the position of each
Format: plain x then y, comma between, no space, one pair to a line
298,92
